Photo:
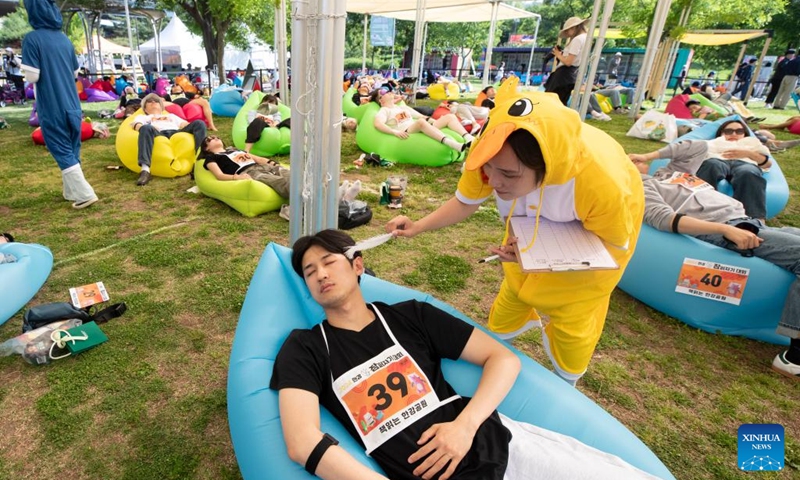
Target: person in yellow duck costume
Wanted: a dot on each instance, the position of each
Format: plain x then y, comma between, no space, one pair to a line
539,159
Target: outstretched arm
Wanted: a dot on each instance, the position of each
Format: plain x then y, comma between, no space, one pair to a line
453,211
299,410
744,239
446,444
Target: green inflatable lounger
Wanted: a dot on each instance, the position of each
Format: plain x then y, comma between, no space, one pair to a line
273,141
350,109
248,197
417,149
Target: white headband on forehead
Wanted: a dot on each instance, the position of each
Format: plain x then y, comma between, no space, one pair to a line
371,242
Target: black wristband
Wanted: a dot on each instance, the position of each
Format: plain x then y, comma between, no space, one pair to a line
766,159
324,444
675,220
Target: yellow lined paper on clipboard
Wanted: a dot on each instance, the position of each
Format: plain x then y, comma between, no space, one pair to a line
560,246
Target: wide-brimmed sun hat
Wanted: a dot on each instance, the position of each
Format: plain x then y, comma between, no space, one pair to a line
572,22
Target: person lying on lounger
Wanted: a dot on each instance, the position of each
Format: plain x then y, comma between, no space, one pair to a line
734,155
232,164
400,121
681,203
377,369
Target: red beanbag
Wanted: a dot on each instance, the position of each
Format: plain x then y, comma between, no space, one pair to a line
86,133
795,128
189,112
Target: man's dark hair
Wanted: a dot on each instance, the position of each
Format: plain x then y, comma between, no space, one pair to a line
527,149
486,90
725,124
333,241
692,102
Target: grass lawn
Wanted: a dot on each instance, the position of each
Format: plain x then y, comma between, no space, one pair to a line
151,403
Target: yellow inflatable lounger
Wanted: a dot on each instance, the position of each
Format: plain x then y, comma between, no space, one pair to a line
172,157
248,197
444,91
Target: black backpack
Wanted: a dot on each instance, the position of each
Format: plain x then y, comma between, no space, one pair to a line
352,218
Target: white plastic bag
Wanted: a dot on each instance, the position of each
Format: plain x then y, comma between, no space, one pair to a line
655,125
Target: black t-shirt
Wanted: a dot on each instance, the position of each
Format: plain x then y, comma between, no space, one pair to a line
429,335
223,160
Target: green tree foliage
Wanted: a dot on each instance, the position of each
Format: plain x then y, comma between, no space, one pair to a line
785,25
220,22
14,26
464,39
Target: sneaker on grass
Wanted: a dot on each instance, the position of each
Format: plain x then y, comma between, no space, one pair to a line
785,367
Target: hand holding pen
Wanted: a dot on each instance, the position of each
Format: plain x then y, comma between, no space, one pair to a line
504,253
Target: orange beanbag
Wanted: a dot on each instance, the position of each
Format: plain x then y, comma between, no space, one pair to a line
86,133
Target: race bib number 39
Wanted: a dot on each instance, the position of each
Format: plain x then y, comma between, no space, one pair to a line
713,281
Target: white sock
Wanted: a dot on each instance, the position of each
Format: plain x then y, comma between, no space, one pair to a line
145,168
76,184
451,143
343,189
352,191
468,137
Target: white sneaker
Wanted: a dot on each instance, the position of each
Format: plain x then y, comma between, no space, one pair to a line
605,117
767,105
284,213
84,204
597,115
785,367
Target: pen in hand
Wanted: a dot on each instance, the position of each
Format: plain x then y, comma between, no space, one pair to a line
489,259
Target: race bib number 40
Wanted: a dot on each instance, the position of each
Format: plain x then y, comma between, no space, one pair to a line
711,280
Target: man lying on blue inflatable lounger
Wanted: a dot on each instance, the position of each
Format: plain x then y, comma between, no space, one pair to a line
682,203
377,369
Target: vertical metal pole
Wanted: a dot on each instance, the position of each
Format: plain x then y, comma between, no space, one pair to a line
758,68
533,48
575,96
487,64
130,42
598,48
656,30
419,38
301,106
364,47
318,54
736,66
280,45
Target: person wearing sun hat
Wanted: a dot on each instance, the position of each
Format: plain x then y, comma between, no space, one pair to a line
539,159
562,80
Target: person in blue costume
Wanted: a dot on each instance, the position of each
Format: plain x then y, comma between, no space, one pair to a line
49,62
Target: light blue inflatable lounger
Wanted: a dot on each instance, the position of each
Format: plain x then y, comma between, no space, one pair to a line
652,273
777,188
278,301
20,280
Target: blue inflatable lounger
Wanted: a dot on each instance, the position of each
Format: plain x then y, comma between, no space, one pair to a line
278,301
657,268
20,280
777,187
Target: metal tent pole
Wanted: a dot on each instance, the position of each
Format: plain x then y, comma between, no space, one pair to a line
318,54
364,47
608,8
487,64
533,48
656,30
130,42
280,46
758,67
575,96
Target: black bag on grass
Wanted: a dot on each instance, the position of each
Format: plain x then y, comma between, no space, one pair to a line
42,315
353,214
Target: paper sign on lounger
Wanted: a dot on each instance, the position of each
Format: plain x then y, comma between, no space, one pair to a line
712,280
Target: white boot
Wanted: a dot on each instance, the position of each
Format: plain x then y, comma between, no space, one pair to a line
75,184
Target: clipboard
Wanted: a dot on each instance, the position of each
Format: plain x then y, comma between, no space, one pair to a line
559,247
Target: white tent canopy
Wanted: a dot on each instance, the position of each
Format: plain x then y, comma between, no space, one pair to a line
479,12
180,46
108,47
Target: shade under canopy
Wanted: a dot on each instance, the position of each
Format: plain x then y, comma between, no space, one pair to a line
476,12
